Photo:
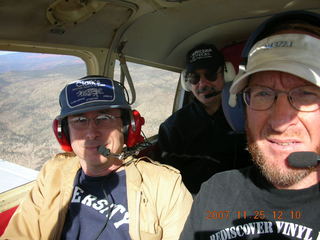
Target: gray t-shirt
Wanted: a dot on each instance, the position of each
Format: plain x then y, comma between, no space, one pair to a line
241,204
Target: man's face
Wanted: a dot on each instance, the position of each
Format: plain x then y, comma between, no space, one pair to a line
275,133
86,138
204,90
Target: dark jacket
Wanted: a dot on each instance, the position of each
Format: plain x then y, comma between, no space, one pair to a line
200,145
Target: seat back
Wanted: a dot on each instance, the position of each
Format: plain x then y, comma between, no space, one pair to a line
5,218
234,114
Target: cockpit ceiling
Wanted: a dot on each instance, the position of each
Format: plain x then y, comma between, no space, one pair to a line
158,31
223,23
39,22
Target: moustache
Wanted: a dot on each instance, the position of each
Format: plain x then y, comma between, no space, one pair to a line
207,89
211,92
289,133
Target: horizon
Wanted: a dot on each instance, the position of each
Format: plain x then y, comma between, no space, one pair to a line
30,61
6,52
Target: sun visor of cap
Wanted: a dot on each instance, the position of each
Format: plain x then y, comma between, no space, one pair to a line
294,68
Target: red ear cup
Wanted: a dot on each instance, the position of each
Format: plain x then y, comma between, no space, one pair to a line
61,136
134,131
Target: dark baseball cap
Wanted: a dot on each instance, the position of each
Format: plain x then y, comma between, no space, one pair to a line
204,56
91,93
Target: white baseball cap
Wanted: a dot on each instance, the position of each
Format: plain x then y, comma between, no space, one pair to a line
297,54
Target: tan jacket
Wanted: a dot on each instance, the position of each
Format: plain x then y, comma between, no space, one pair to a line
158,201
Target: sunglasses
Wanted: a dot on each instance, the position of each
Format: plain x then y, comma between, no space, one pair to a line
194,78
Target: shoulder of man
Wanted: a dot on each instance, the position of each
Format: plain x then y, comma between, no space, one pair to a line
184,114
62,159
146,163
229,177
64,155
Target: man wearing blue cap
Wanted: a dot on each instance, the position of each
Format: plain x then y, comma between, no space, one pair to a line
97,190
197,139
278,197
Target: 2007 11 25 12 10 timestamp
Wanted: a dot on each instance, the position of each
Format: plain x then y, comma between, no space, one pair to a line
254,214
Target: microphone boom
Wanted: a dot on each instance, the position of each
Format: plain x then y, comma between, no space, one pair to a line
303,159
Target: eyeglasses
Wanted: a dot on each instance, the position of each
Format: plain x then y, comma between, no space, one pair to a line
81,122
194,78
304,99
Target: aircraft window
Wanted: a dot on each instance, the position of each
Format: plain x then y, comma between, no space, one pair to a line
29,87
155,92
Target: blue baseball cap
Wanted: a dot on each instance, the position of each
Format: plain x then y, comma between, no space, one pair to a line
91,93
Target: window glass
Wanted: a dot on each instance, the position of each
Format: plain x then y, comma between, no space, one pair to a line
155,92
29,87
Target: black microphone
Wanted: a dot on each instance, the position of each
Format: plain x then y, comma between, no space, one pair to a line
214,93
303,159
107,153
